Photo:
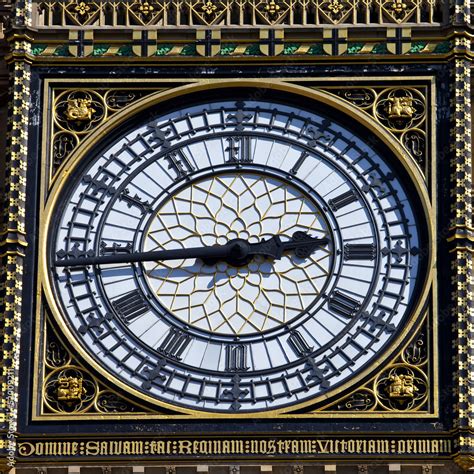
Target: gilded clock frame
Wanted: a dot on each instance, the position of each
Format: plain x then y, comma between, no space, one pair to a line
319,90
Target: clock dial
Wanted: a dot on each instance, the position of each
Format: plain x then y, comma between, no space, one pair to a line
298,260
222,298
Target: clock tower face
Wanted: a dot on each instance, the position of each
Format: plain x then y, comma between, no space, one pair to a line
236,255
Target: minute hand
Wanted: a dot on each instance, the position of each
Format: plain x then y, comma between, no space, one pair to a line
219,252
236,252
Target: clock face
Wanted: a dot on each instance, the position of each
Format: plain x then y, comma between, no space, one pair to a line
208,331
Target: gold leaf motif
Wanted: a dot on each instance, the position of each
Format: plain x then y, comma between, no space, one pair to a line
145,13
82,8
402,387
209,8
398,12
70,389
82,13
79,109
209,12
272,12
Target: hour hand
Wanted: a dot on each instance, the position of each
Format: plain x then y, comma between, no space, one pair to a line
301,242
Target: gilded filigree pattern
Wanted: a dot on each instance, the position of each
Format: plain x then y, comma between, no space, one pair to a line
78,112
209,12
235,12
13,228
400,110
461,227
401,386
70,388
336,11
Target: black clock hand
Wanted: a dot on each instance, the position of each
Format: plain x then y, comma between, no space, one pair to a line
236,252
302,243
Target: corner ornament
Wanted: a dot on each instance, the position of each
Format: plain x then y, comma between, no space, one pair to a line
400,107
402,387
70,389
79,109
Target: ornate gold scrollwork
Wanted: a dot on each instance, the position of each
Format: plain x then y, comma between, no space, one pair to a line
77,112
71,389
240,12
68,388
362,400
401,387
109,402
400,110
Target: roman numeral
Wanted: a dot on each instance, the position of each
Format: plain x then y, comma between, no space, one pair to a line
343,304
359,251
115,248
179,163
130,306
236,358
342,200
175,343
125,195
240,150
299,162
298,344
